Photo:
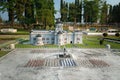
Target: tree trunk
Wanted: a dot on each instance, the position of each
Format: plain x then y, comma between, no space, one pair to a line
11,17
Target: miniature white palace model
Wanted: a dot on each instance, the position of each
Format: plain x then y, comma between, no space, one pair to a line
58,36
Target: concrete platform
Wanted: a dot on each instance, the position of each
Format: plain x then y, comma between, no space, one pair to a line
44,64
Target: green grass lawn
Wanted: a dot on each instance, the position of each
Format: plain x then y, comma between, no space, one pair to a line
113,45
88,42
33,46
93,42
23,32
2,53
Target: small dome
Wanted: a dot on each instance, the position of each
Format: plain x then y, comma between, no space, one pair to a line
39,35
60,32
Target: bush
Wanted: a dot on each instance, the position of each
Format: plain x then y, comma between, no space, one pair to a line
2,53
7,38
117,34
101,42
105,34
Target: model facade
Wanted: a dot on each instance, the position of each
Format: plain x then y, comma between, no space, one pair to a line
58,36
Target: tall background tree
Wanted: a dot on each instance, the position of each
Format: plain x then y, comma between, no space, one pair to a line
64,11
70,11
91,10
115,14
45,12
94,11
78,10
29,11
42,11
104,13
19,10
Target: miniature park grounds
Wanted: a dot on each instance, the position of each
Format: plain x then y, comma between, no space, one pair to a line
92,60
45,64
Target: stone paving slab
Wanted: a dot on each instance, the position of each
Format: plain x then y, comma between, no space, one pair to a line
43,64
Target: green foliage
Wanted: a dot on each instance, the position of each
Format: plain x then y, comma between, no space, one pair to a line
88,42
0,19
70,13
52,28
105,34
47,27
33,46
113,45
93,42
104,13
64,11
45,12
91,10
7,38
19,10
101,42
2,53
117,34
114,14
30,11
22,41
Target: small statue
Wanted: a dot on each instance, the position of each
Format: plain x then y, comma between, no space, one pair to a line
65,51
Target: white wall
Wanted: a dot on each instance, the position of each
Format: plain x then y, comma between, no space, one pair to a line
50,38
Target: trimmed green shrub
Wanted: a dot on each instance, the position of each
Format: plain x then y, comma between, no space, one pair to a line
101,42
117,34
105,34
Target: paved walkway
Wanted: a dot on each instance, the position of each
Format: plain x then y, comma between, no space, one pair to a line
44,64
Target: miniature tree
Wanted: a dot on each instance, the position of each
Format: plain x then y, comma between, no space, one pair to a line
101,42
117,34
105,34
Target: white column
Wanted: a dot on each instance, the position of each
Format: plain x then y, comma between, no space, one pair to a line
82,13
55,38
108,10
99,13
